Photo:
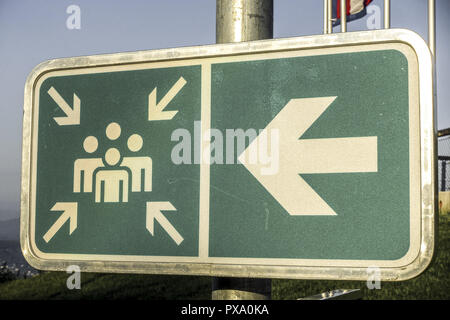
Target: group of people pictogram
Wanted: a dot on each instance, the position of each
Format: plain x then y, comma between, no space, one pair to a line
112,175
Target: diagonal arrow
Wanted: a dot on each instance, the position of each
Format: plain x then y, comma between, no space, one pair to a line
154,213
69,213
72,115
297,156
156,110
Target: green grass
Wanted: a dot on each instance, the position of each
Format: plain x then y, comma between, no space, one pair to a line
434,283
52,285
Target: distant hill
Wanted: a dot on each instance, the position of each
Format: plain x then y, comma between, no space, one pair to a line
9,230
10,251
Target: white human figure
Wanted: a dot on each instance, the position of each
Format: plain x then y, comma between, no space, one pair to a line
86,167
136,165
112,180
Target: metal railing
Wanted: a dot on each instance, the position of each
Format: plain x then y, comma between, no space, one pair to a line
443,175
444,160
328,20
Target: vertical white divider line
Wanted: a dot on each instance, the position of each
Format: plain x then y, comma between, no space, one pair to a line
205,139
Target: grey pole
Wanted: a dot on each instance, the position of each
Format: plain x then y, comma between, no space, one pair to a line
432,27
237,21
243,20
387,14
343,16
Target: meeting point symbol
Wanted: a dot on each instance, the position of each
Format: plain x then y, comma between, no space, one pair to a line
112,176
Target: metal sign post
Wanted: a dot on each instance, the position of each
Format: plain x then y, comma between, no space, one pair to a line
237,21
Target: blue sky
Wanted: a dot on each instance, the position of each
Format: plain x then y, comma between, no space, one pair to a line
32,31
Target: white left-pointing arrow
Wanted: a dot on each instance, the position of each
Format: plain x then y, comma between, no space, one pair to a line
72,115
70,211
154,213
307,156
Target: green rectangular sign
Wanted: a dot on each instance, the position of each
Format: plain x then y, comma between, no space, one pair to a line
307,157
